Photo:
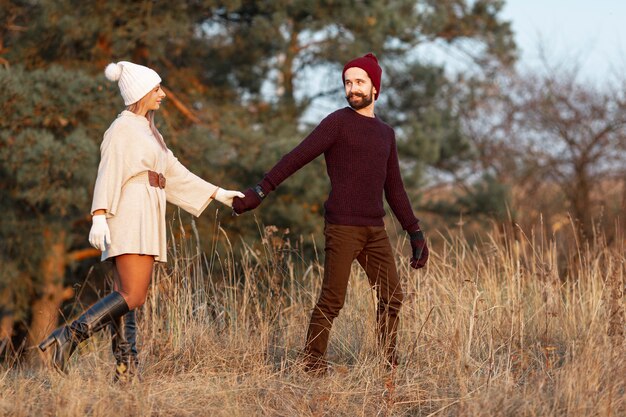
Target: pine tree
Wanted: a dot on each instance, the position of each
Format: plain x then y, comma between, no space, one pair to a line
239,77
49,143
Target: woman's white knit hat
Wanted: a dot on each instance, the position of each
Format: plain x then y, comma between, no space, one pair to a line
135,81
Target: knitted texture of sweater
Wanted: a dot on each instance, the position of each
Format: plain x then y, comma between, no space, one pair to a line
362,164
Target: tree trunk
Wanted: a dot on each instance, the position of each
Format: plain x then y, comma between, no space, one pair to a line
6,330
6,319
581,203
46,308
286,69
6,326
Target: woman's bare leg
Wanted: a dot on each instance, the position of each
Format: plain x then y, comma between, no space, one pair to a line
132,275
124,332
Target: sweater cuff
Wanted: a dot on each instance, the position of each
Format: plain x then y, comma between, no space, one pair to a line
413,227
266,185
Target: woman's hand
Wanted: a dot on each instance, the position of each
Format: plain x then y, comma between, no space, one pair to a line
99,235
226,196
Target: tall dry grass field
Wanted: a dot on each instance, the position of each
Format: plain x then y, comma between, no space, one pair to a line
502,328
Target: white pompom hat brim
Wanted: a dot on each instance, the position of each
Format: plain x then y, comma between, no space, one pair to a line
134,81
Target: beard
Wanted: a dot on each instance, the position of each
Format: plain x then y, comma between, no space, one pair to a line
359,101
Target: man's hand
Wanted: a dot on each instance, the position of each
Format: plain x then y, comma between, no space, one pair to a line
99,235
419,248
226,196
250,200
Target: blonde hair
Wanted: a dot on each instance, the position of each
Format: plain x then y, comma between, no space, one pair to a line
150,116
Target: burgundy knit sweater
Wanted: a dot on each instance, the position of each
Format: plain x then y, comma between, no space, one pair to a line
362,163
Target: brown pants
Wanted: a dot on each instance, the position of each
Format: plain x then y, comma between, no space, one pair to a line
370,246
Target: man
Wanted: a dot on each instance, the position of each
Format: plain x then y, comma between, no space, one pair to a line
362,163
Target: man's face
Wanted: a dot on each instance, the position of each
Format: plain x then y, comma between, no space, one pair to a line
359,89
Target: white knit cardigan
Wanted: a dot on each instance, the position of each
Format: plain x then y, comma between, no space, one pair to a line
135,210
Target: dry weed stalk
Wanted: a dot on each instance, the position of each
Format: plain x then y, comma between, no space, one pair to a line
505,326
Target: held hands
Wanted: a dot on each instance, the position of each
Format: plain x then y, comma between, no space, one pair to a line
419,249
99,235
250,200
226,196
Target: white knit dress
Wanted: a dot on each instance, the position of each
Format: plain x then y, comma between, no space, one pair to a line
135,210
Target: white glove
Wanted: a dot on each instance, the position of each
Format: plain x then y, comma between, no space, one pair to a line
99,235
226,196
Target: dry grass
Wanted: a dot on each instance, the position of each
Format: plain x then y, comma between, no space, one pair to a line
490,330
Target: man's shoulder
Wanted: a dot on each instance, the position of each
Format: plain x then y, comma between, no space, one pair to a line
343,114
384,124
346,114
338,114
334,119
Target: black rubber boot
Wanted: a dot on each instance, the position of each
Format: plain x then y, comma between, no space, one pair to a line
124,347
66,339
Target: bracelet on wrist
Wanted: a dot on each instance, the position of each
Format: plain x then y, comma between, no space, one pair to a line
259,191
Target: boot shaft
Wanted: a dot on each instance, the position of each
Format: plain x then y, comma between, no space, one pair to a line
124,347
99,315
66,339
124,337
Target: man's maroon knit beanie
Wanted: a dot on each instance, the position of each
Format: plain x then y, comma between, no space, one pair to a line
369,64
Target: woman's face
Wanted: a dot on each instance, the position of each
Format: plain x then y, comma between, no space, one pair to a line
152,100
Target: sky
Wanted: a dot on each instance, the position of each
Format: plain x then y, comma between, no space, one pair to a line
591,33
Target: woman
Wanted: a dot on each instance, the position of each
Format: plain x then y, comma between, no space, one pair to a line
136,176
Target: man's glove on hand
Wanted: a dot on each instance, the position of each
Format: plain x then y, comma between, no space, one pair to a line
99,235
252,197
419,248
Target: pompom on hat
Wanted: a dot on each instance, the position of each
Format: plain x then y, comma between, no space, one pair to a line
135,81
369,64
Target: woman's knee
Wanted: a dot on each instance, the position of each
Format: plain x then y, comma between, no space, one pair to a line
139,301
134,300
